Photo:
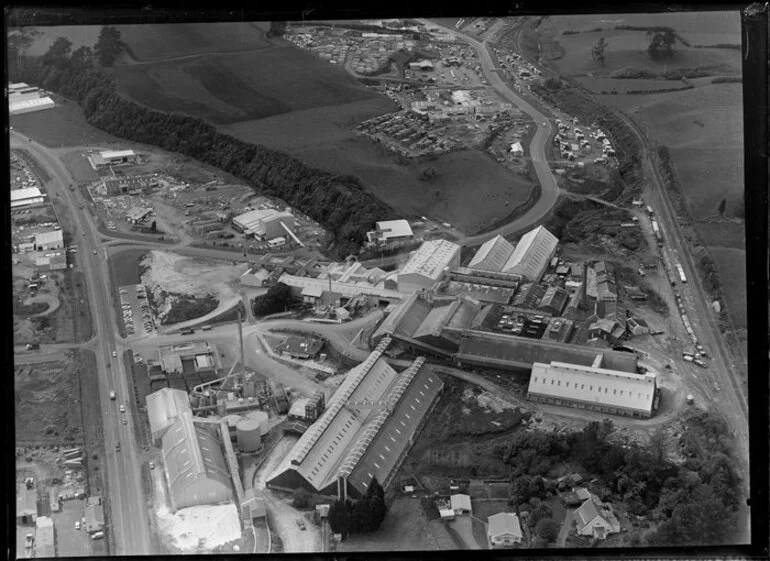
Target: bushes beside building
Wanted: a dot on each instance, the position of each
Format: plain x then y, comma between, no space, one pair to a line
363,516
277,299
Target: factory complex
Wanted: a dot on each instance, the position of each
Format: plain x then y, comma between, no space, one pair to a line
365,432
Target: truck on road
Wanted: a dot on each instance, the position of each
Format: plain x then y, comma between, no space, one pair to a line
112,394
680,271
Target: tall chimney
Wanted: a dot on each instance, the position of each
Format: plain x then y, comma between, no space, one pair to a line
240,340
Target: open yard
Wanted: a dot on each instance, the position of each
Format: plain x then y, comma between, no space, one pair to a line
47,403
64,125
183,288
405,528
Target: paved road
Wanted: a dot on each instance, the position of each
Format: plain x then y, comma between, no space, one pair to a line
128,511
549,187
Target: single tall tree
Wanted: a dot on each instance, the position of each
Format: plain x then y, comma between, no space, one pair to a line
58,52
598,50
109,45
339,518
661,43
722,207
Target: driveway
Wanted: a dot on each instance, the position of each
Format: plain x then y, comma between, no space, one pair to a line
566,526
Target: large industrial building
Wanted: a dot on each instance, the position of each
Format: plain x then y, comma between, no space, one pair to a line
593,387
264,224
29,196
495,350
426,324
194,464
529,258
316,291
428,265
23,98
366,431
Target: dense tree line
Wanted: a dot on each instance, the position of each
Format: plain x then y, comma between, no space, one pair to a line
339,203
277,299
693,503
365,515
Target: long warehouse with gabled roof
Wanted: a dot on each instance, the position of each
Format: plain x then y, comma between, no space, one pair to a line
366,431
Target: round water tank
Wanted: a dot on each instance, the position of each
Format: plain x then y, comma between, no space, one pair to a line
247,431
262,418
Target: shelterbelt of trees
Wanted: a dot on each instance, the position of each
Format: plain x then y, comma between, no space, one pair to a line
339,203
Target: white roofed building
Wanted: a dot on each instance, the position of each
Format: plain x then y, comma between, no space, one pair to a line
49,240
529,258
194,464
594,388
391,230
503,530
428,265
264,224
111,158
29,104
492,255
163,407
26,197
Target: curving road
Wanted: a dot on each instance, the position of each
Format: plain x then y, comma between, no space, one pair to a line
548,185
128,511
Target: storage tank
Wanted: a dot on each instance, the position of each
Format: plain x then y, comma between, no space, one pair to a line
248,435
262,418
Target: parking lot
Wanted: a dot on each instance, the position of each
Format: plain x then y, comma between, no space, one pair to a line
137,317
69,541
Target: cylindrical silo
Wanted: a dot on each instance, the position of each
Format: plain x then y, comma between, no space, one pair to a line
248,435
262,418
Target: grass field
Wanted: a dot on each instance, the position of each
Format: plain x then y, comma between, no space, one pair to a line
624,85
125,266
158,42
732,269
405,528
703,128
627,48
79,167
63,125
322,138
239,87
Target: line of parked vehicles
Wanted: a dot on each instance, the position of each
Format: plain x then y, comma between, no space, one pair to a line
128,314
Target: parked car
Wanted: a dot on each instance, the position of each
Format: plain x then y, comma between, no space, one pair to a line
122,408
77,524
152,464
301,523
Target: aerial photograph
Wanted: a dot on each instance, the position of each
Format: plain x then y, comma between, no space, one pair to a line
349,286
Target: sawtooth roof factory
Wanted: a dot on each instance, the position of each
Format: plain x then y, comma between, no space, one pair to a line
370,423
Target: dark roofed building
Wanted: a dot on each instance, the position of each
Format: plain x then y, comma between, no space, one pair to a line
511,352
554,300
635,293
300,347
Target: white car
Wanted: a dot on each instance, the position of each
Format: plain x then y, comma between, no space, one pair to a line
114,353
122,408
77,524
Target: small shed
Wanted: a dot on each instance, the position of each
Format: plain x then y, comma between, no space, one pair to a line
517,149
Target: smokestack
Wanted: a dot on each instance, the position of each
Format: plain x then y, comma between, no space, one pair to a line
240,340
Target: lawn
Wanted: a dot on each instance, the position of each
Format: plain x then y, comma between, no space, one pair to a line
405,528
64,125
732,273
485,508
626,85
230,88
158,42
79,167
